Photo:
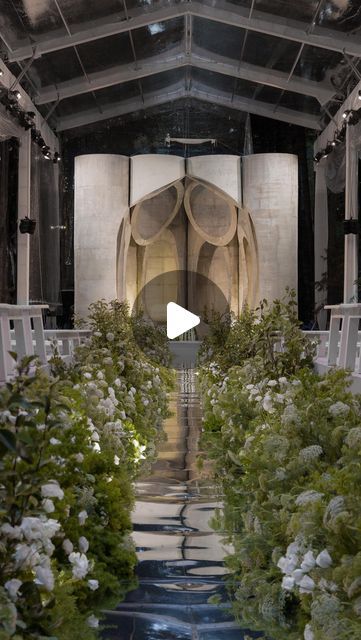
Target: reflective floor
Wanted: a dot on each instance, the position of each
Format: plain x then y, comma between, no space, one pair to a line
180,556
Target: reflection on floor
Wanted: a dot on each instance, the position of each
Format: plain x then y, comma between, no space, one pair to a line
180,556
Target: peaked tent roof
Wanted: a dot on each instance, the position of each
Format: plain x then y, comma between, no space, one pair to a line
83,61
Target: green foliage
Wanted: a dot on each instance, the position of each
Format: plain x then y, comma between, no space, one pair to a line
71,445
285,446
256,335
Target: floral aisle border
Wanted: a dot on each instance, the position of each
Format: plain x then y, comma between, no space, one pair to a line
286,450
71,445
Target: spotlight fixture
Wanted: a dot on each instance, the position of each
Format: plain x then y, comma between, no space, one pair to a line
346,113
359,94
27,225
318,156
354,117
1,72
57,157
14,95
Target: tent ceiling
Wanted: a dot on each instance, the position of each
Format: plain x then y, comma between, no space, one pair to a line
87,60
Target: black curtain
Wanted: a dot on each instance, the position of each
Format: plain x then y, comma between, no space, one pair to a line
9,157
45,243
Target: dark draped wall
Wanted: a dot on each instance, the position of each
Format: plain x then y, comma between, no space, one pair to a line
45,243
8,219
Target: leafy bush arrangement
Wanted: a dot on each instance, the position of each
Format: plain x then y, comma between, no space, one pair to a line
71,445
286,451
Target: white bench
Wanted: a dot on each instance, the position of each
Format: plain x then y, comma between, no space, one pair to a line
28,337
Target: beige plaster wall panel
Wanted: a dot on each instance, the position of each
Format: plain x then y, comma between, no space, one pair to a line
213,216
101,202
131,273
160,258
124,237
224,172
152,172
233,250
214,263
153,214
270,191
248,261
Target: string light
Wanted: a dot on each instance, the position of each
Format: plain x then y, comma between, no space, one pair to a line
26,119
351,117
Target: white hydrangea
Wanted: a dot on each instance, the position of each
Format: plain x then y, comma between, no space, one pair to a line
93,585
26,556
83,544
268,403
80,565
93,622
324,559
44,577
306,585
13,533
34,528
353,438
48,505
12,587
280,473
311,453
288,583
290,415
334,508
288,564
82,516
308,497
68,546
327,585
52,490
110,336
308,633
339,409
309,562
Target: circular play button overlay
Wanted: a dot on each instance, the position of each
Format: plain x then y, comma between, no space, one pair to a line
183,304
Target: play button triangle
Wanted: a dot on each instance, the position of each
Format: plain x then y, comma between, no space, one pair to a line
179,320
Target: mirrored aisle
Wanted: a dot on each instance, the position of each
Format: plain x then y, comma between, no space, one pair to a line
180,556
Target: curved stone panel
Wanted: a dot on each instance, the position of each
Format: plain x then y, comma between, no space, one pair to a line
270,192
152,172
212,215
214,263
248,261
160,257
221,171
101,202
154,214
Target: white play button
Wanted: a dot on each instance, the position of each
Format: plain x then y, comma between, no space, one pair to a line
179,320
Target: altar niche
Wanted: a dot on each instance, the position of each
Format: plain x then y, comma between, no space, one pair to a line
227,219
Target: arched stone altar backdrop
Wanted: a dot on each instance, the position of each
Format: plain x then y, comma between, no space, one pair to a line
231,219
